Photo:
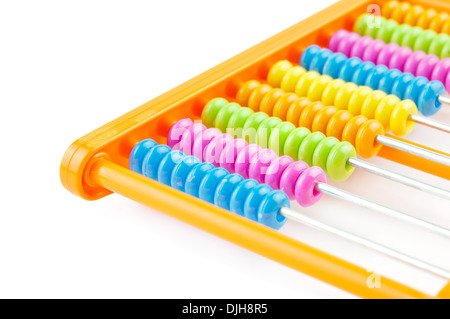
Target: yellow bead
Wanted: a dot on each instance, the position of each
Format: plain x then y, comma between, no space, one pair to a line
317,87
277,72
384,110
304,83
358,98
370,105
291,78
330,92
401,123
343,96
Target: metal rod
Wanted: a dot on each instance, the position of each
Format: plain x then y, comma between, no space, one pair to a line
396,177
297,216
444,99
352,198
430,123
414,150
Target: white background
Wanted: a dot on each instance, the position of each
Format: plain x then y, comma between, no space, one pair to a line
67,68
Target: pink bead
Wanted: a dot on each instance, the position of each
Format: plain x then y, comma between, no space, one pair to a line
347,43
202,140
305,187
336,38
427,65
371,52
227,158
243,159
385,54
447,82
213,150
276,170
290,176
177,130
413,61
360,46
187,140
259,163
441,71
399,58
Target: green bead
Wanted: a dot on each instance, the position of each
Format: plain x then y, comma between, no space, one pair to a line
224,114
251,126
423,41
400,33
322,150
376,26
237,122
361,24
265,129
308,147
279,135
211,109
386,30
438,43
445,53
337,163
294,140
410,38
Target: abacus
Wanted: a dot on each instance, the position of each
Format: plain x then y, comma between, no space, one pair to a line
230,150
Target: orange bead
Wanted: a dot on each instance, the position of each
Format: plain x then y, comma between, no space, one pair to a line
366,139
446,27
337,123
351,129
308,115
244,92
321,119
424,19
412,15
254,100
281,107
296,108
269,99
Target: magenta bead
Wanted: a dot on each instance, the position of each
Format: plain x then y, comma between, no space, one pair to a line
413,61
385,54
187,140
228,157
336,38
290,176
398,59
441,71
371,52
347,43
426,66
360,46
202,140
243,159
305,187
177,130
276,170
259,163
215,147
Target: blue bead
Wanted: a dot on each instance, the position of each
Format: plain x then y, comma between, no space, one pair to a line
152,160
428,99
210,182
318,62
401,85
195,177
389,79
334,64
227,185
308,55
361,73
239,195
374,77
269,210
167,166
349,68
414,89
181,171
254,199
138,153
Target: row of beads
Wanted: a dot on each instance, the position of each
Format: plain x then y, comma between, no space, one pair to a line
405,86
388,110
245,197
299,143
392,55
415,15
416,38
296,179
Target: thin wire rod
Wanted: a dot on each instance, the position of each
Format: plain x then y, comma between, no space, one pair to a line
297,216
354,199
444,99
396,177
414,150
430,123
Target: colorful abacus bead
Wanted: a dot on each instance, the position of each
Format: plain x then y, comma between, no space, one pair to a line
217,186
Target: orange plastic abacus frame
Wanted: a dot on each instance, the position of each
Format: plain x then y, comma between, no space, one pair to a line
97,164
